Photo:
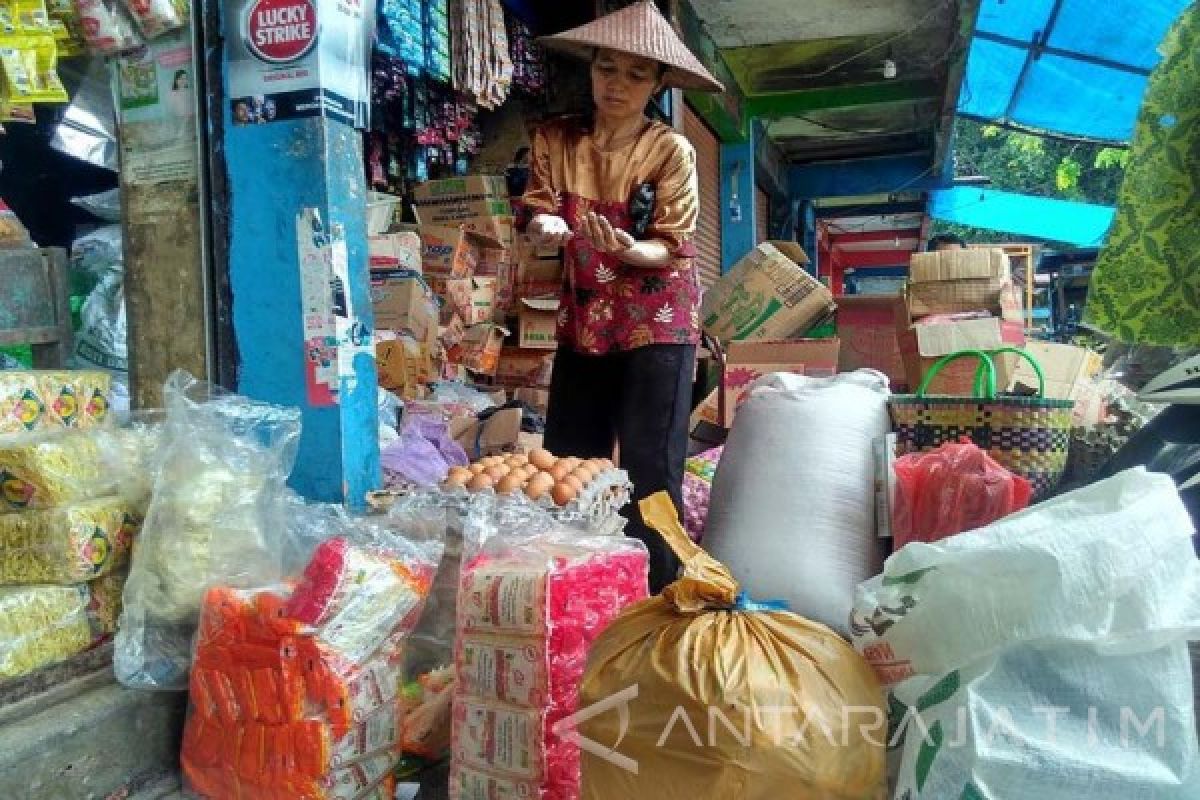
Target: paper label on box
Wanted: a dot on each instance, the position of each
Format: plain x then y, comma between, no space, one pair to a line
494,737
378,732
503,598
505,670
357,779
474,785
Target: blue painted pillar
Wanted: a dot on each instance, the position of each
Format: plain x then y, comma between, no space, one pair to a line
300,291
738,231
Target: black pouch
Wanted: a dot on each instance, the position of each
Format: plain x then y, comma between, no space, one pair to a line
641,209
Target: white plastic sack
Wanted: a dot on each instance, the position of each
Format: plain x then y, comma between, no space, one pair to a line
792,511
1044,656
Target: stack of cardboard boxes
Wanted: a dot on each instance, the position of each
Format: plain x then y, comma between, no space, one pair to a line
539,277
442,289
958,300
759,314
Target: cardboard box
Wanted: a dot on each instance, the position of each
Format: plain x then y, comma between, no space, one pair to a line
709,411
520,368
473,299
922,346
497,434
957,265
526,250
995,295
746,362
539,277
767,296
539,323
405,366
867,329
1069,372
451,252
403,302
479,350
477,202
400,250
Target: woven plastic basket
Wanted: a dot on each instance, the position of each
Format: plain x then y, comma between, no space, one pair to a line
1028,435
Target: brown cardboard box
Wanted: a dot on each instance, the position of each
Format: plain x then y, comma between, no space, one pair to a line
400,250
451,252
402,301
539,323
479,350
995,295
709,411
451,332
746,362
539,277
867,327
405,365
957,265
499,433
922,346
766,296
477,202
537,399
519,368
1069,372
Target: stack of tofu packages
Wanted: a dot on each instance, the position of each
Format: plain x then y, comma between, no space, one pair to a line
74,487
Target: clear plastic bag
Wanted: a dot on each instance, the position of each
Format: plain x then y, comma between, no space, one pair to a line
106,205
294,688
216,519
530,605
66,545
952,489
157,17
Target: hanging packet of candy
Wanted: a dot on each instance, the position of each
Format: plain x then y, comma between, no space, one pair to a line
156,17
30,65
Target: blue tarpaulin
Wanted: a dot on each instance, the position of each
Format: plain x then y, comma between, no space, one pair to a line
1065,221
1075,67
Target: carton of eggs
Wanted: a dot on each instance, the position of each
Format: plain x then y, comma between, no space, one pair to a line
541,476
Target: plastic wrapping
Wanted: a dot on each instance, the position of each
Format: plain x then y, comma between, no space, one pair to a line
70,544
107,28
294,689
697,491
41,625
423,454
529,608
216,519
157,17
1081,606
48,470
709,695
39,400
952,489
88,128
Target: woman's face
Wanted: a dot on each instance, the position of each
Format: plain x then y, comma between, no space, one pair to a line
623,84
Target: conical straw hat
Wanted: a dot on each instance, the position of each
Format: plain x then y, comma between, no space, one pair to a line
640,30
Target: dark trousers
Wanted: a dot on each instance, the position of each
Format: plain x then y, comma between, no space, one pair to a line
640,400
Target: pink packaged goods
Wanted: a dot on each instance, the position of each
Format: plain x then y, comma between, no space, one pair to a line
528,612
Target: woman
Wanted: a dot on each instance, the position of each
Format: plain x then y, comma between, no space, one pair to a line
619,193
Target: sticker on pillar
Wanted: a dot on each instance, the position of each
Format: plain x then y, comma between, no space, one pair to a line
317,296
299,58
353,337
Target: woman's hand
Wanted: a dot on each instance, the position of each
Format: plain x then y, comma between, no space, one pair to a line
604,237
547,230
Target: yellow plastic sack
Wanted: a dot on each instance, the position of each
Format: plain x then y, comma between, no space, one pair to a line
41,625
702,696
72,544
39,400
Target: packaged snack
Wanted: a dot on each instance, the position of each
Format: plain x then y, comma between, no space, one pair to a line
38,400
12,233
107,28
156,17
30,70
40,625
65,545
44,471
32,16
104,601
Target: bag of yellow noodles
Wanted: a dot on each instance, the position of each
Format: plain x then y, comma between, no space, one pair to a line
71,544
700,693
41,625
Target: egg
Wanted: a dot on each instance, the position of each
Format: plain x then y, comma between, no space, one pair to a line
517,460
574,482
497,472
585,473
480,482
560,470
491,461
573,462
563,494
510,483
608,463
476,469
538,485
542,459
458,476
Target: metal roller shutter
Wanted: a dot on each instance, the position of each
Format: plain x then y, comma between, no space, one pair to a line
708,170
762,210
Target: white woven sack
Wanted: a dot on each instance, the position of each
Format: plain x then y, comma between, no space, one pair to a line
792,511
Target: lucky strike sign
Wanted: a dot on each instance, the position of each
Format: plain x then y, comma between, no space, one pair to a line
279,31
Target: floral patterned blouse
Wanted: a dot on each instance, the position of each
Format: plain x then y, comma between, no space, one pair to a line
607,305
